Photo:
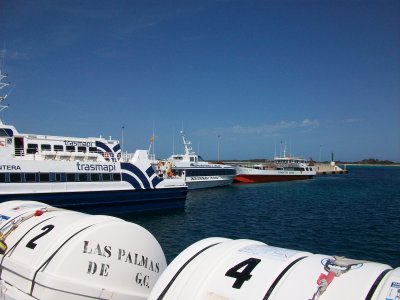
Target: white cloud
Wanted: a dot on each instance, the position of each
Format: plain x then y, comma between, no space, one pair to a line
263,129
310,123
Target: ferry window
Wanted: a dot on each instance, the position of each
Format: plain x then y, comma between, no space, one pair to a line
30,177
2,177
70,148
3,132
32,148
58,148
94,177
15,177
83,177
192,159
116,177
71,177
44,177
106,176
92,149
45,147
56,177
81,149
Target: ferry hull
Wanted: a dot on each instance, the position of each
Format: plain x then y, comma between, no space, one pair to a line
269,178
194,183
122,201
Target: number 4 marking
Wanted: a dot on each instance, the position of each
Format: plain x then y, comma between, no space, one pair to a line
243,275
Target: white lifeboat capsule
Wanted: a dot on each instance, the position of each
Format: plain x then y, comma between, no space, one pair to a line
224,269
389,287
58,254
219,268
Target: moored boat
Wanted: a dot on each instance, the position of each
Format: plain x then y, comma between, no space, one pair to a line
283,168
196,172
89,174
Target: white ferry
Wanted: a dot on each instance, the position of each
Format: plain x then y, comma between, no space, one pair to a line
194,170
87,174
283,168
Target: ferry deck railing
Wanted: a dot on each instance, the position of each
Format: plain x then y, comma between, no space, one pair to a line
35,154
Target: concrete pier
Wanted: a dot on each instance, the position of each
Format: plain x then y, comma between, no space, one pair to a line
329,168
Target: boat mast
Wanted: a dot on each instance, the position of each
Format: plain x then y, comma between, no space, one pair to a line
187,144
3,85
152,145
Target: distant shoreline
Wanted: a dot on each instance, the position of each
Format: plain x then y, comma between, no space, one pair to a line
369,165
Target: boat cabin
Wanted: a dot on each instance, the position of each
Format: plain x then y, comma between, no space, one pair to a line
28,146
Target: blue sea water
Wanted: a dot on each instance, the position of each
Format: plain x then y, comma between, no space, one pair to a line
355,215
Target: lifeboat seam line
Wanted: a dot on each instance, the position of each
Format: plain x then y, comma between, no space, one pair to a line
277,279
9,252
376,283
164,292
47,261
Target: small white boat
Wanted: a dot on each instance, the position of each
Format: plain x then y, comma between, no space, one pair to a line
196,172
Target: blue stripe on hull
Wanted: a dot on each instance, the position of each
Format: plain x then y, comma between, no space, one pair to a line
135,170
132,181
107,202
156,180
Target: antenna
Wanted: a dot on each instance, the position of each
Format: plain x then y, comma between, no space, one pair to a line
187,144
122,139
154,145
2,86
173,141
219,136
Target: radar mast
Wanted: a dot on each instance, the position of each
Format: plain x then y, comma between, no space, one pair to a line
3,85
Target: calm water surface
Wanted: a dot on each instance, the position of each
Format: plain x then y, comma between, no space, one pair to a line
355,215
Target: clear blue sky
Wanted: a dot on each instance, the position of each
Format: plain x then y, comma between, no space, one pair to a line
322,76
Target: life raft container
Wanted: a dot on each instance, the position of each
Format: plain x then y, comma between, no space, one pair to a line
218,268
51,253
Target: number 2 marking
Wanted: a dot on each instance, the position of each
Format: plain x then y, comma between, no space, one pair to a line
245,274
46,229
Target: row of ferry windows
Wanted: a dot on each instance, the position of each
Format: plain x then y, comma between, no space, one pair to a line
210,172
33,148
58,177
296,169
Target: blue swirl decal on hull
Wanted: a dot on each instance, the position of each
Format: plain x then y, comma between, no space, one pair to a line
150,171
117,148
107,152
136,171
156,180
128,178
141,178
117,151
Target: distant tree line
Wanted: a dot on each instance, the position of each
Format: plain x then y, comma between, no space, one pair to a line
369,161
374,161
